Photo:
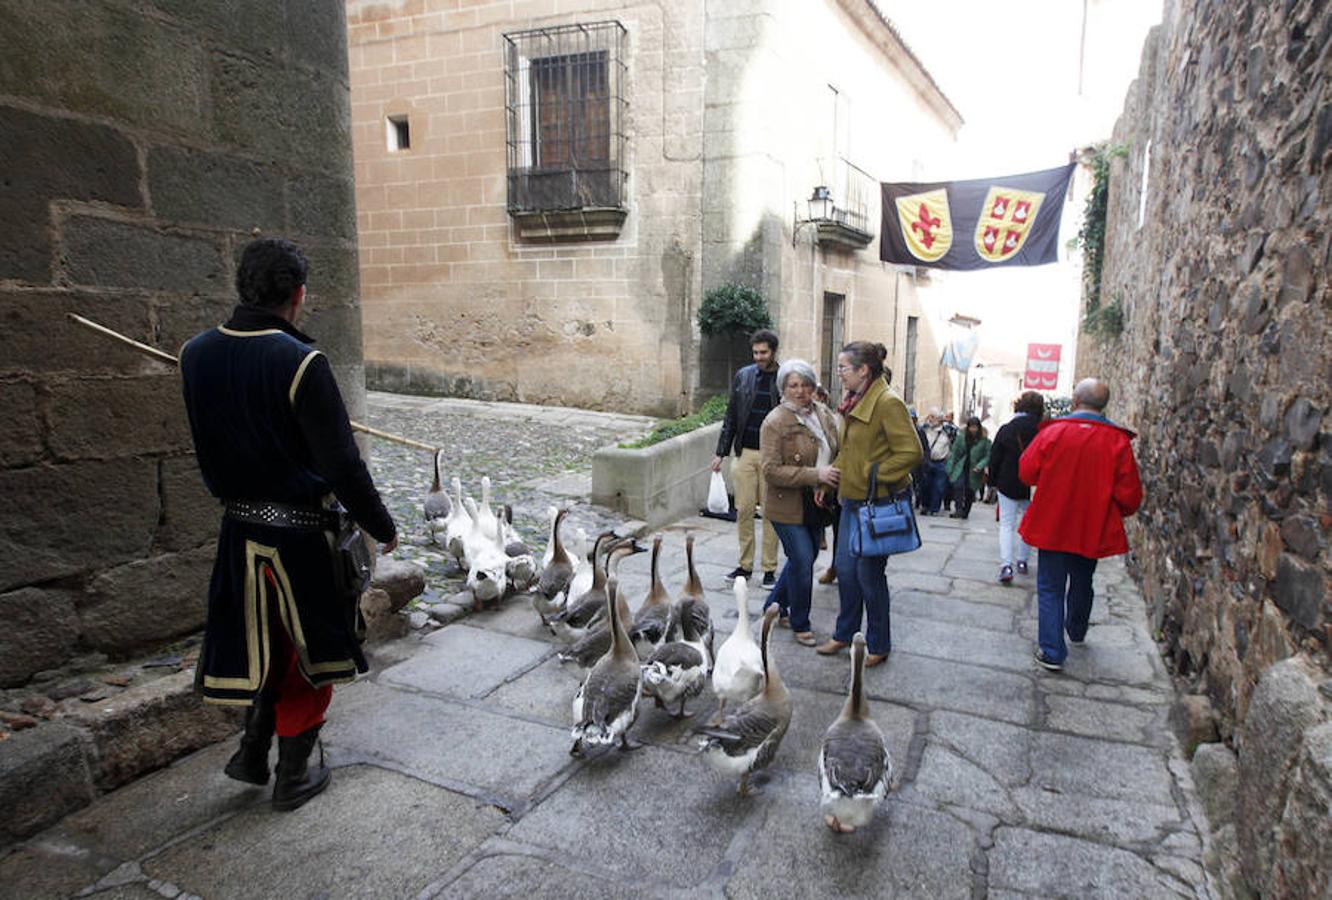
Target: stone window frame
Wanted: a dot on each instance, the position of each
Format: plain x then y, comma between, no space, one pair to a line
571,199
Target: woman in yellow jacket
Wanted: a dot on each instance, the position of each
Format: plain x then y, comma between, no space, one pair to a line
876,428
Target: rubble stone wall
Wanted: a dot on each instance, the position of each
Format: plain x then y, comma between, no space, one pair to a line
1217,253
141,145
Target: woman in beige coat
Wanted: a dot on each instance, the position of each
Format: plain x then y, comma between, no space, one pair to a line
797,444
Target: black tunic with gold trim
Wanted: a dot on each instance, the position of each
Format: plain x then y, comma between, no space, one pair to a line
269,424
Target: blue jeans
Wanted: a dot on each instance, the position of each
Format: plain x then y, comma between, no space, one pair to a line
1064,599
791,593
863,588
936,485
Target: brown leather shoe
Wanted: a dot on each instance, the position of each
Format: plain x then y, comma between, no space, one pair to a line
829,576
831,646
874,659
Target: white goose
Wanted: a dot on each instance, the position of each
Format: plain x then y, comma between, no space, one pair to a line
595,641
737,673
457,524
855,769
582,611
678,668
486,515
606,704
551,513
581,554
487,563
747,739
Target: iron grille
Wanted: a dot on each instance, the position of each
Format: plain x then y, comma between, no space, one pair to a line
564,98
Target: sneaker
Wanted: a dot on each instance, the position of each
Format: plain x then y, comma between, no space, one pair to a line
1047,663
769,579
1005,574
1022,567
738,572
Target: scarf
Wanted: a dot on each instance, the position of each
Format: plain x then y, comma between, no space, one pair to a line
851,398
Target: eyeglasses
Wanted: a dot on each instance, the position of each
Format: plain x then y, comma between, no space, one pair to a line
843,368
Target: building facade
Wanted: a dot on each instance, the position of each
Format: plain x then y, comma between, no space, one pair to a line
545,192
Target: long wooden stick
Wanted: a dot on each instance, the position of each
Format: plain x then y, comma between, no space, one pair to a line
164,357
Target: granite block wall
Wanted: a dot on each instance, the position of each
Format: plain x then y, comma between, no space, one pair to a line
1218,254
142,144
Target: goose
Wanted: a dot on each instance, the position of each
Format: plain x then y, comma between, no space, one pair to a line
581,554
650,622
855,769
582,611
521,568
555,575
436,505
486,520
487,566
551,513
737,672
595,638
693,589
457,524
678,668
747,739
606,704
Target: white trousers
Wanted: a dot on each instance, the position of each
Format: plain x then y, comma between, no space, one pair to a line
1010,517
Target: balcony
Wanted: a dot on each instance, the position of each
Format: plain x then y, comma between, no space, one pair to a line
843,212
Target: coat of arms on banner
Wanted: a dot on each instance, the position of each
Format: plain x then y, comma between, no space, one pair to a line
1005,222
926,225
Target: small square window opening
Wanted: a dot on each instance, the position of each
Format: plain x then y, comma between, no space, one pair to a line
399,134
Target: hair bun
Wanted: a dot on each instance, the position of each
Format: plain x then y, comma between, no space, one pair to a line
881,350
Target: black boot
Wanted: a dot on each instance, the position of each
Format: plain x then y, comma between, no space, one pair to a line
250,762
297,780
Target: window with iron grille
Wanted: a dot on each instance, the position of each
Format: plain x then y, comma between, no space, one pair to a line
565,103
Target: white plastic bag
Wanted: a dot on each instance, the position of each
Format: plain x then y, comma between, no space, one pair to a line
718,503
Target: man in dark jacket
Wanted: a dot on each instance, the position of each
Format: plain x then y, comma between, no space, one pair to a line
1014,496
1086,482
274,444
754,393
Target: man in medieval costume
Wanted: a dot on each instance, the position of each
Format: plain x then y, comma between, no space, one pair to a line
275,445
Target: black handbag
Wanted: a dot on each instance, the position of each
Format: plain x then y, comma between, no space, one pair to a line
886,526
816,516
353,566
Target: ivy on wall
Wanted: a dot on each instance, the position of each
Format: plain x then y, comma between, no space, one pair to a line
1103,320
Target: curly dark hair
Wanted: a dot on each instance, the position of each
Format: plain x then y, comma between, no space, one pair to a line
764,336
1030,402
271,269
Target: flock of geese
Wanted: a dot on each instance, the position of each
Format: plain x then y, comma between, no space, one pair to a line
665,651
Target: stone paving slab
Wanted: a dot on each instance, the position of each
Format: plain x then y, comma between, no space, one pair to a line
651,813
1111,721
466,662
528,875
907,851
1102,769
494,757
816,710
378,834
1042,863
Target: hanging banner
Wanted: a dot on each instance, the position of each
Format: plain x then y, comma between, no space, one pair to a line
1011,220
1042,366
959,352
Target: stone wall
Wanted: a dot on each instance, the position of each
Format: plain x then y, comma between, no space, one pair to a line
142,143
1225,368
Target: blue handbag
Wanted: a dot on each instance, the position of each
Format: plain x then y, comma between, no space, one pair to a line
886,526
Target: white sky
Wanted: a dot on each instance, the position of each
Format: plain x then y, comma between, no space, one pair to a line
1012,70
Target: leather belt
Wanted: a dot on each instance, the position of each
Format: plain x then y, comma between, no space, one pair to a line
281,515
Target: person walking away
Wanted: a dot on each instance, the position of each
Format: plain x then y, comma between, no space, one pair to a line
1086,482
1013,438
797,445
938,444
966,465
753,395
918,474
950,428
875,429
274,444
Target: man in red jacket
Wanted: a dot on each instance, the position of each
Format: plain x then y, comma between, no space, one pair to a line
1086,482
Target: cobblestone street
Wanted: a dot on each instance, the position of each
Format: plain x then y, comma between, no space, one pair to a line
453,776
